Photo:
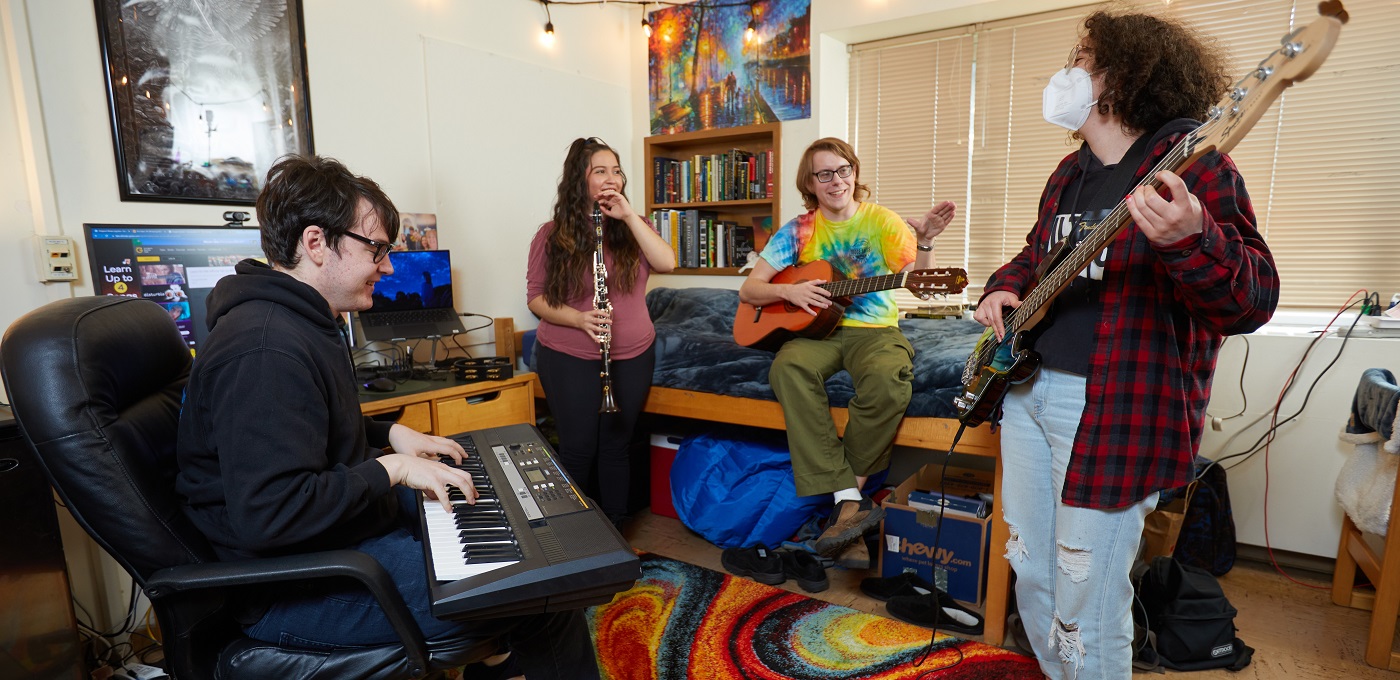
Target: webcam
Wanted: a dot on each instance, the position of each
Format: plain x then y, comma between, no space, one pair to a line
235,218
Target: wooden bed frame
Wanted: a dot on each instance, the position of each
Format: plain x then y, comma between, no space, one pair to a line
935,434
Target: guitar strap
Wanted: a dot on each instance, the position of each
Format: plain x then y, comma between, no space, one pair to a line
1113,189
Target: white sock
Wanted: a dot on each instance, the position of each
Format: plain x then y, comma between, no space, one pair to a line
851,494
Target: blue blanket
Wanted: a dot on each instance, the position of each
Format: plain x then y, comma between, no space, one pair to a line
695,350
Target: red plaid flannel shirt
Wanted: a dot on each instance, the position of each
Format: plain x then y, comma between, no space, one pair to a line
1165,311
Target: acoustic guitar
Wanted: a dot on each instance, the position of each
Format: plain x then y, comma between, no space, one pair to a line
771,325
996,365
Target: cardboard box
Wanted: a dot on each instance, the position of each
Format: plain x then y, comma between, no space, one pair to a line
907,535
663,454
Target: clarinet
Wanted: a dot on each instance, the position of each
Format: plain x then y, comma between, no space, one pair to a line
600,301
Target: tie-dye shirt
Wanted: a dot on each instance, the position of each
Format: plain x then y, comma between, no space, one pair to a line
874,242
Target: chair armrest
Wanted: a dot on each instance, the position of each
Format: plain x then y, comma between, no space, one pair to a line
330,563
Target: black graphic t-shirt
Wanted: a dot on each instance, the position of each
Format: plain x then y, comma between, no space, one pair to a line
1067,334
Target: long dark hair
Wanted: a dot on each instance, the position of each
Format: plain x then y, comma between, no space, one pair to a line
569,251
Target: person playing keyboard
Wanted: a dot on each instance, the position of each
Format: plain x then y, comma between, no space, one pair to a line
275,457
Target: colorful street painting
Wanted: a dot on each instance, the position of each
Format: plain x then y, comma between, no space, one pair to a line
706,73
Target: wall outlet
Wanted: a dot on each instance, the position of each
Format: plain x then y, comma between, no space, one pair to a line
57,257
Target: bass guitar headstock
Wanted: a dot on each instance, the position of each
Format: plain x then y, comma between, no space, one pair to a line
1298,56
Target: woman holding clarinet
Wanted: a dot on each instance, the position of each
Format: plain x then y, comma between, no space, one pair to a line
586,281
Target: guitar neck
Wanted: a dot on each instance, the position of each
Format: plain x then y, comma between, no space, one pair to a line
872,284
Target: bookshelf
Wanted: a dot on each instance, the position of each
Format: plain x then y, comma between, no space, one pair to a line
676,168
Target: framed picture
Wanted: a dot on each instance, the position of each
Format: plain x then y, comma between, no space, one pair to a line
204,96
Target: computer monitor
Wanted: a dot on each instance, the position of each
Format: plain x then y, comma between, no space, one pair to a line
174,266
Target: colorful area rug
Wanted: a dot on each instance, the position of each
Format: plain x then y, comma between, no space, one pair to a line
683,621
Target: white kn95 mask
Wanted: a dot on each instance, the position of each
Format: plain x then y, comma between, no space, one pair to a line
1068,98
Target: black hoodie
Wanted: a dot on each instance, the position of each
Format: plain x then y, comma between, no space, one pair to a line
274,456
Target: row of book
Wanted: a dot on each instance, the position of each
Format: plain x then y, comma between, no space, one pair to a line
701,239
731,176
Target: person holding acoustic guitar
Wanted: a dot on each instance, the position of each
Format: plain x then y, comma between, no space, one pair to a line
1115,412
858,239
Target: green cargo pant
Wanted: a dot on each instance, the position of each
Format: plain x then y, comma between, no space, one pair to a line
880,362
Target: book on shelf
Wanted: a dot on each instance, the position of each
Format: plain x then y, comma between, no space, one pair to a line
734,175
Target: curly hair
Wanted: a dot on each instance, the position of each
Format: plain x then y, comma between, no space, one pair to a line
301,191
804,169
1155,69
569,251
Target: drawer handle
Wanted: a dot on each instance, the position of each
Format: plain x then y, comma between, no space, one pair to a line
482,398
7,464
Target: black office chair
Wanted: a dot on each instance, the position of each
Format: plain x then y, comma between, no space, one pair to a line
96,385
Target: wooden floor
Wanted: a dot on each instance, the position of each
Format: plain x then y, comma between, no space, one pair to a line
1296,631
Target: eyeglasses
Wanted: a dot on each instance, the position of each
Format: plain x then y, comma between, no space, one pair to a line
1076,54
380,248
825,176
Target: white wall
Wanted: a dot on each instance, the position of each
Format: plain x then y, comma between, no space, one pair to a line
370,108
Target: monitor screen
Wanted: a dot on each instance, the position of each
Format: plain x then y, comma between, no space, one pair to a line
174,266
422,279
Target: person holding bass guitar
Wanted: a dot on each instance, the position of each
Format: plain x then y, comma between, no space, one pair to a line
859,239
1115,412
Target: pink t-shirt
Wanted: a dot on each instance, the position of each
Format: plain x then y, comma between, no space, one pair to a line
632,331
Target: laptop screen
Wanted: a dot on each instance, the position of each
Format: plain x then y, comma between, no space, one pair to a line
422,279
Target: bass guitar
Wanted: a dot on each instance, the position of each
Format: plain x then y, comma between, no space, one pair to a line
769,326
996,365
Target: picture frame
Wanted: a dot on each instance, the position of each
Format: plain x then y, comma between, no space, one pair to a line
203,97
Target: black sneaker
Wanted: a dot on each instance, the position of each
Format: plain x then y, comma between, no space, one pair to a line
755,562
905,583
803,567
935,610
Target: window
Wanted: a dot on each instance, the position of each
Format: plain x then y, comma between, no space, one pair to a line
955,114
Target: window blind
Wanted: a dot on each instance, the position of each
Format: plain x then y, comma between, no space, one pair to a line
1315,165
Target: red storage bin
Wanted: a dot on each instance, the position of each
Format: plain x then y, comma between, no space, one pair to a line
663,454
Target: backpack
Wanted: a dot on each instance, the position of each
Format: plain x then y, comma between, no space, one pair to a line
1183,620
1207,538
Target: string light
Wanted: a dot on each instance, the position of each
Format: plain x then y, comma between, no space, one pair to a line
750,33
548,37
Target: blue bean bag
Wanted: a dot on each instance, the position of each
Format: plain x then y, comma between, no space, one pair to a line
738,493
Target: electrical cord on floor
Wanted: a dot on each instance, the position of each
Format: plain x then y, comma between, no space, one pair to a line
937,536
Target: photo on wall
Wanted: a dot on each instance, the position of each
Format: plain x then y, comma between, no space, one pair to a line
729,65
417,231
203,96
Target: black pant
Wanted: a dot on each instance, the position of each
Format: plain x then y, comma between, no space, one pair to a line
574,389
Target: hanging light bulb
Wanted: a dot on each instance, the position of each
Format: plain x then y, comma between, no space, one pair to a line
646,25
752,31
548,36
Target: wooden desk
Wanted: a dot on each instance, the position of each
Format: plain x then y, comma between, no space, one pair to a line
449,407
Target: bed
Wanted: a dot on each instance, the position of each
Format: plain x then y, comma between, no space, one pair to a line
702,374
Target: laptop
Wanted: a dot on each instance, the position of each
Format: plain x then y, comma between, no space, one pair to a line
415,301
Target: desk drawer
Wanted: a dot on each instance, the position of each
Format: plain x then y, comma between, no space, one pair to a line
506,406
418,416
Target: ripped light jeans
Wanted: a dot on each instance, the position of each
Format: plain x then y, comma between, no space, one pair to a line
1073,585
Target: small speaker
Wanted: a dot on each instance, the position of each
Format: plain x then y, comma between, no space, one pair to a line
484,368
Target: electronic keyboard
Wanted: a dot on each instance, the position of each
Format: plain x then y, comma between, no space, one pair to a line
532,542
